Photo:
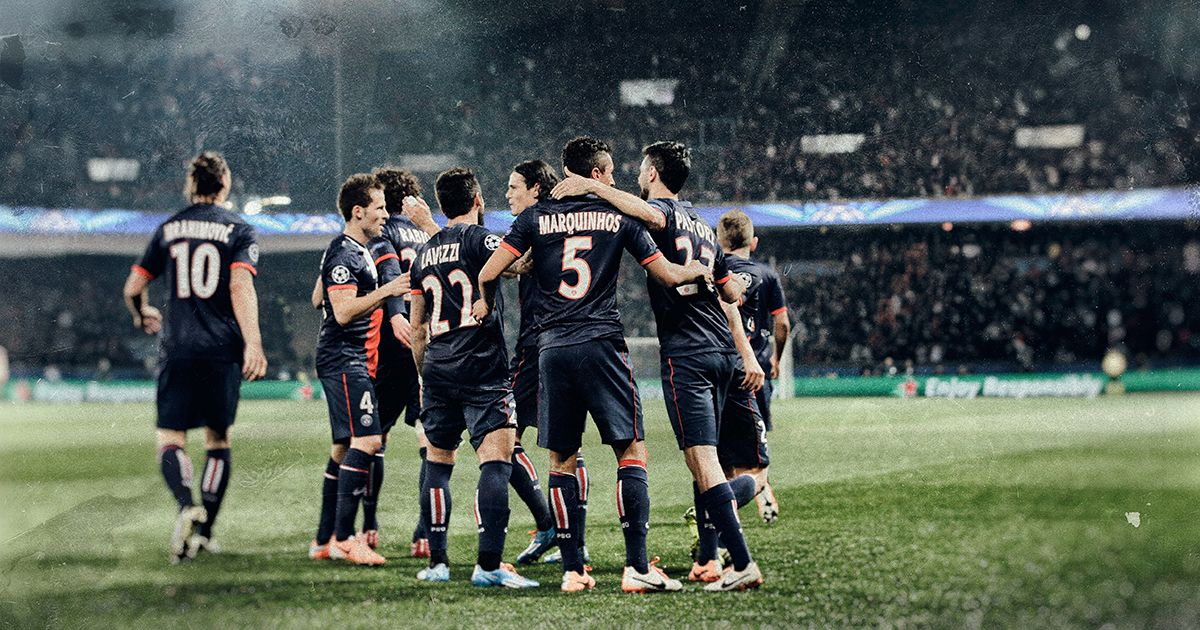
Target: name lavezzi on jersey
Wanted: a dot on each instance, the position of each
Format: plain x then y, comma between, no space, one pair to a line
440,254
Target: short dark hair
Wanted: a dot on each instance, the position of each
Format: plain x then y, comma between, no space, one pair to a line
206,174
582,154
672,160
538,172
456,189
397,184
356,191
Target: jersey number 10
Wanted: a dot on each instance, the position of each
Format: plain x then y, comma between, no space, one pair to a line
197,274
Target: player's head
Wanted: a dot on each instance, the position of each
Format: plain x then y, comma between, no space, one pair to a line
529,183
208,178
588,157
362,203
667,163
397,184
735,231
458,193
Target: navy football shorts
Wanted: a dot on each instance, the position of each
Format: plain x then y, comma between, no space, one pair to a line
592,377
447,413
194,393
742,441
525,385
353,406
398,389
694,388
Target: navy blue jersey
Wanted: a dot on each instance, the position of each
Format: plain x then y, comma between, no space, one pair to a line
577,244
462,351
527,290
762,300
406,239
346,265
197,248
689,316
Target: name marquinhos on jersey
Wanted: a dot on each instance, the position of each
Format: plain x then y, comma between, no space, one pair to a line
201,230
440,254
697,227
579,222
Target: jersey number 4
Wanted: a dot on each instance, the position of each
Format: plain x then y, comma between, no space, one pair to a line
572,246
437,325
198,273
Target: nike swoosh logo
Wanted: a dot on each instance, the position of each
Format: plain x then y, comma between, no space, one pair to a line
653,584
360,492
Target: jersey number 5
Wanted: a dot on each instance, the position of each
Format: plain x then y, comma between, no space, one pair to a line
197,274
571,246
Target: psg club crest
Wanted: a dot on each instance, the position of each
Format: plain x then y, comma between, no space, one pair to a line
365,420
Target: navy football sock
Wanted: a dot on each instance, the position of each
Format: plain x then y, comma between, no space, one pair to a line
706,531
524,481
719,503
435,507
744,488
419,531
564,504
213,485
585,486
633,506
370,503
177,471
352,486
329,488
491,512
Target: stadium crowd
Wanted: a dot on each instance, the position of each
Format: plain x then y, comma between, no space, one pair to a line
937,104
867,300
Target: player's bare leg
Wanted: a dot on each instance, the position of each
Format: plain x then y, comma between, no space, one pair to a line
176,469
213,483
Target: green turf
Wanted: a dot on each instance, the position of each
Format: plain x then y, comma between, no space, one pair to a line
979,513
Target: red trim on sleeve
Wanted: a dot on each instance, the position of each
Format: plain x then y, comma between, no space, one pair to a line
247,266
416,291
388,256
142,271
341,287
651,258
724,280
373,333
512,250
781,309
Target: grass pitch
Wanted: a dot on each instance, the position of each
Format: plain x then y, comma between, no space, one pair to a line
942,513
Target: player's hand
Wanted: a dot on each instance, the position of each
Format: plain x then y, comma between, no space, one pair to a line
753,380
480,310
573,186
700,271
774,367
254,363
398,286
402,330
417,211
150,322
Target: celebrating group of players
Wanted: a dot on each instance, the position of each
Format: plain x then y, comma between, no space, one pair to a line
412,326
